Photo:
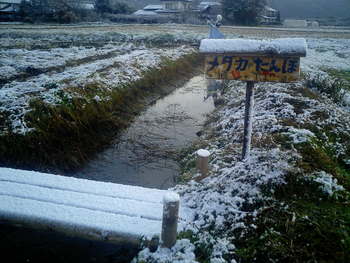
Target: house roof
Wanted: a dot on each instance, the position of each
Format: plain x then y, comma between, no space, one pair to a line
8,9
10,1
270,9
176,0
144,13
209,3
205,5
87,6
152,7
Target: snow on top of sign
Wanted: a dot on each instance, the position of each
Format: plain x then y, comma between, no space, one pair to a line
282,46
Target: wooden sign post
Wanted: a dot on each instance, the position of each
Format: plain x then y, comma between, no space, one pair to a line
253,61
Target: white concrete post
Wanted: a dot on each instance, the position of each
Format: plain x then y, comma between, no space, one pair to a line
171,203
202,161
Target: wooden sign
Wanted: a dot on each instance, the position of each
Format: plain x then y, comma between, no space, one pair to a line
253,60
252,68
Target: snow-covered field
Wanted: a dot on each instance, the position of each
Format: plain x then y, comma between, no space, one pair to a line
32,73
218,205
33,65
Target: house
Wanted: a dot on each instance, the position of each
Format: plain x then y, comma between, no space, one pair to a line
81,4
9,7
149,10
298,23
153,7
168,7
176,6
181,11
209,10
269,16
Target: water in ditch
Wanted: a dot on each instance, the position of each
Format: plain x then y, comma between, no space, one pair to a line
144,154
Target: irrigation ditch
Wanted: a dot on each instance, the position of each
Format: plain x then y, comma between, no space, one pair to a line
145,153
66,137
133,139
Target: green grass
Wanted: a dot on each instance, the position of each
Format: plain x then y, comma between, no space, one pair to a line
299,222
332,87
340,74
66,136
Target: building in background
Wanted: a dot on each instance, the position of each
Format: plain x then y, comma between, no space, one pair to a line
269,16
209,10
9,7
183,11
177,5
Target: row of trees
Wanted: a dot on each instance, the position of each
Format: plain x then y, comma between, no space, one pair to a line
68,11
112,6
243,12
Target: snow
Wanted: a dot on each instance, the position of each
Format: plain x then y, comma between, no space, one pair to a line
203,153
12,1
326,54
281,47
153,7
328,184
181,252
270,9
233,191
81,206
15,61
299,135
127,63
234,188
171,198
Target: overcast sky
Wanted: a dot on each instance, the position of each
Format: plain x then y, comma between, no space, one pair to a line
313,8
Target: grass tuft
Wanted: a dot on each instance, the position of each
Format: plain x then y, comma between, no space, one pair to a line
333,88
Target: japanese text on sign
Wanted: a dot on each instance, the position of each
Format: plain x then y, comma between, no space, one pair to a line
250,68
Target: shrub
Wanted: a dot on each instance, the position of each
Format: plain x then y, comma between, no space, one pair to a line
333,88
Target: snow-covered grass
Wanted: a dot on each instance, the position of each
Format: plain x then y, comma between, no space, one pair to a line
289,201
127,66
85,105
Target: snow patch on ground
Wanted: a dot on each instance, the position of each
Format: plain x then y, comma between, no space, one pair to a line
328,183
182,251
299,135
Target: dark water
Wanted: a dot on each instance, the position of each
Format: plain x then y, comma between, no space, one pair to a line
144,154
24,245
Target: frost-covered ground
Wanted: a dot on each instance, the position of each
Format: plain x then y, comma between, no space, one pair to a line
34,65
109,66
218,207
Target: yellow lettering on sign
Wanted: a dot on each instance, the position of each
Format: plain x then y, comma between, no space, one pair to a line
250,68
